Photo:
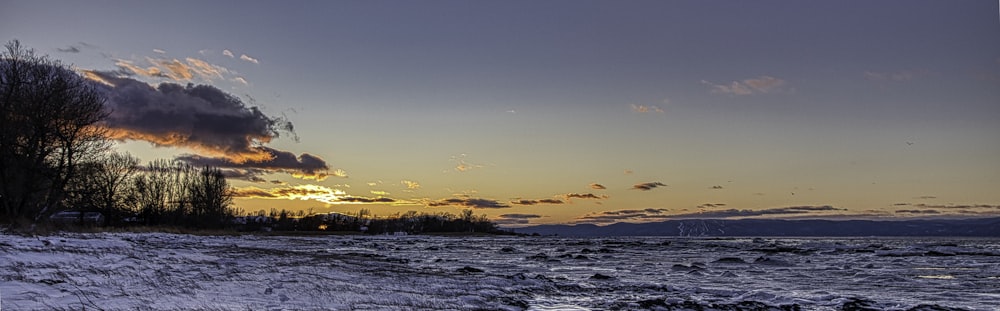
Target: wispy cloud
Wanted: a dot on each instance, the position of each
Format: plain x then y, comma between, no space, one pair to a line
468,202
898,76
174,69
228,53
716,187
309,192
69,49
159,51
645,109
758,85
648,186
249,59
711,205
76,48
597,186
411,185
464,165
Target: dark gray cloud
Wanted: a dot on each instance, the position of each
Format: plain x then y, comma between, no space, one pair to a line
225,132
716,187
200,117
533,202
712,205
584,196
520,216
515,219
648,186
365,200
69,49
303,166
468,202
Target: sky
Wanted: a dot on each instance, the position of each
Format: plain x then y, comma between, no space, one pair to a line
539,112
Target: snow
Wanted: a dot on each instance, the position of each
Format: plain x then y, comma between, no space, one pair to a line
159,271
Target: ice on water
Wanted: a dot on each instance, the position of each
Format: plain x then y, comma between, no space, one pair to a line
156,271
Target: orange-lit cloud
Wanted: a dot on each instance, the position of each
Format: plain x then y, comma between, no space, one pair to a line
199,117
309,192
597,186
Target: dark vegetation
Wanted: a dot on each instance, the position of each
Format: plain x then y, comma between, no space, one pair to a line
55,158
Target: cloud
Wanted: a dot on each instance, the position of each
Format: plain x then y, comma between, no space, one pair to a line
759,85
927,197
241,80
174,69
199,117
308,192
648,186
252,192
69,49
159,51
620,215
645,109
515,219
898,76
716,187
533,202
584,196
711,205
228,53
249,59
305,166
915,211
463,165
628,172
411,185
520,216
598,186
468,202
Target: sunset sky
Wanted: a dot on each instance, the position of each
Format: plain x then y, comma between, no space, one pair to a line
554,111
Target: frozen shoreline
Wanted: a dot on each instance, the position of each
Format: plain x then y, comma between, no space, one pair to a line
157,271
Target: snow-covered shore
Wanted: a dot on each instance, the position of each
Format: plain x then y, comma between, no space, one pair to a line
158,271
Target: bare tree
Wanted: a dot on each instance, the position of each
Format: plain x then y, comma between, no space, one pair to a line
48,124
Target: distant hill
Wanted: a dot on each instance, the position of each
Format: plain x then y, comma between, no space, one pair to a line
984,227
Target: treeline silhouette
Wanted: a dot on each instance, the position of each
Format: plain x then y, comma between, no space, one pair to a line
55,156
410,222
